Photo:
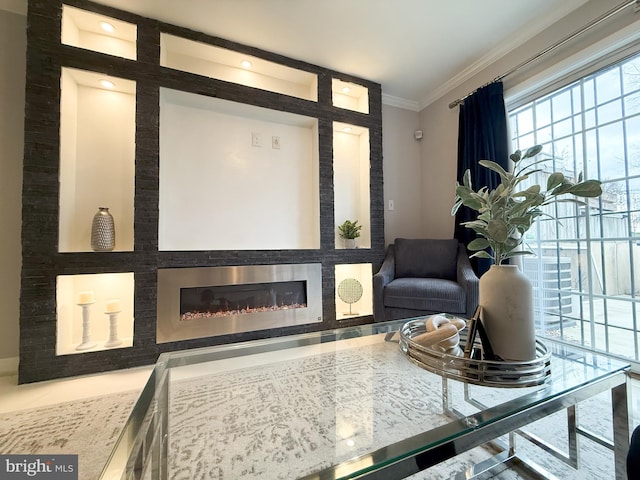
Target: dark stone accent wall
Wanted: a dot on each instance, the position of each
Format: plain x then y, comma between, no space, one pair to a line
41,261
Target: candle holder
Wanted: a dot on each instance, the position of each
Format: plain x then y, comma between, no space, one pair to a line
86,327
113,341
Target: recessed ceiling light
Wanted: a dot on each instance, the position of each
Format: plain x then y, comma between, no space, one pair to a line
246,64
107,27
346,89
346,129
107,83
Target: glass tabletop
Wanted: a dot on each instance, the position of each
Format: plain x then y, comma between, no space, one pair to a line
331,404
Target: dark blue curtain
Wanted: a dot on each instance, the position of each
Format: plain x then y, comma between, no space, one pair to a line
482,135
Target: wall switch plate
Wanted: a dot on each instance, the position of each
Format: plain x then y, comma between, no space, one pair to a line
256,139
391,205
275,142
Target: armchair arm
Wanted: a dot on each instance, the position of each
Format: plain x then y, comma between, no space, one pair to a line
383,277
468,279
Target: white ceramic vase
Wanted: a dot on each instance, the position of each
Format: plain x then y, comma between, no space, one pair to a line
349,243
506,297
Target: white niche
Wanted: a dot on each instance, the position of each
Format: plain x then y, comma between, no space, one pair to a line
235,176
350,96
351,170
230,66
99,33
354,290
97,151
103,294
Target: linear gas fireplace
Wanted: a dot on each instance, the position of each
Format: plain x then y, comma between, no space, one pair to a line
209,301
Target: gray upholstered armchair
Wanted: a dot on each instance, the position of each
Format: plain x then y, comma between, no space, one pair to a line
421,276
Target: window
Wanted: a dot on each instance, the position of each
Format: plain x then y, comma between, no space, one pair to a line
586,272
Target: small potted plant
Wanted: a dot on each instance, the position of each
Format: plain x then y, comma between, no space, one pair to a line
349,231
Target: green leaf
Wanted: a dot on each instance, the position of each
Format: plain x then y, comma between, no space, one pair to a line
532,191
588,188
496,168
562,189
516,156
478,244
533,151
498,230
456,206
466,179
520,253
481,254
554,180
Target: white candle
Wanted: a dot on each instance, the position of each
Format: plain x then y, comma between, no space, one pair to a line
113,306
86,297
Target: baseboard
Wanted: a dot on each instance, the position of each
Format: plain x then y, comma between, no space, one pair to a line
8,366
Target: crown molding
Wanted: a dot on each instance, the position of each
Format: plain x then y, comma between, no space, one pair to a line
14,6
494,55
400,102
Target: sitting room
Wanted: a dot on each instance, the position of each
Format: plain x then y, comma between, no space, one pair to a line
255,239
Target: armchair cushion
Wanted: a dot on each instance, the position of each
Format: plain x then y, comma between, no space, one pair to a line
428,294
426,258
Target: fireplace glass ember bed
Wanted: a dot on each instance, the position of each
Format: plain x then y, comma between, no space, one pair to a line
343,403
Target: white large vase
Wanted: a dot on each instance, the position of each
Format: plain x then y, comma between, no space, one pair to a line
506,297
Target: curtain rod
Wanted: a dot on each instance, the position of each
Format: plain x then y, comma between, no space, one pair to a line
587,27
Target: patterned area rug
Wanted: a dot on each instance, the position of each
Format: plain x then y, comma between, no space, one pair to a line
246,424
281,421
87,427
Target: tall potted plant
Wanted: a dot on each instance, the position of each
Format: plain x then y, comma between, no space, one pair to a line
349,231
505,214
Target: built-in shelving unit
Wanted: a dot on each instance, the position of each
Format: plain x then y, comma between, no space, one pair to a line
208,153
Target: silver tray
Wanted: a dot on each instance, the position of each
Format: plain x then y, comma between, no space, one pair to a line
480,372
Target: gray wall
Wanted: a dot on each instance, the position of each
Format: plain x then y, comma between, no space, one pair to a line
440,124
12,80
402,171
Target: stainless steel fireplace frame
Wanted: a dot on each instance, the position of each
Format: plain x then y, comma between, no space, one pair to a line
170,328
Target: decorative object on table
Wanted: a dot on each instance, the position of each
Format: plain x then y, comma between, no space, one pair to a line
472,330
442,332
476,369
103,231
350,291
349,231
505,214
85,300
112,309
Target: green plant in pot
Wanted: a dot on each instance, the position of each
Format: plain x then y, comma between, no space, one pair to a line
504,215
349,231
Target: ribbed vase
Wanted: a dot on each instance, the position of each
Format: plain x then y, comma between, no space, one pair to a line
103,231
506,297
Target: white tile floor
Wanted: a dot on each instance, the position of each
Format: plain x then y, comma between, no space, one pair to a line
21,397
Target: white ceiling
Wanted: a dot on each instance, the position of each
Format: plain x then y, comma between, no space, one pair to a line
418,50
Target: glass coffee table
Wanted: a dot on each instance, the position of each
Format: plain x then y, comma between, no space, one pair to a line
344,403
